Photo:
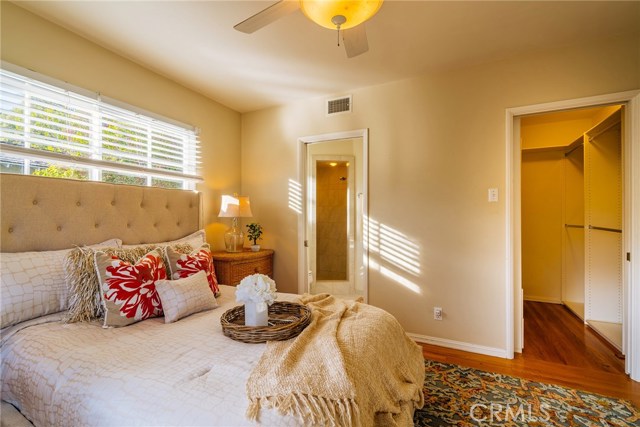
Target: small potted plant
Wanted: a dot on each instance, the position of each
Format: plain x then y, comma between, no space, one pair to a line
254,234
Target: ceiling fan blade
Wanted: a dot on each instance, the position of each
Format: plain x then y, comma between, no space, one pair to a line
355,41
267,16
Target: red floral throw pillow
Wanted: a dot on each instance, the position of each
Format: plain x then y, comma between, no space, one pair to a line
128,291
185,265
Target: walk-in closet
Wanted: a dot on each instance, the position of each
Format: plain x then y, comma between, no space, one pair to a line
572,215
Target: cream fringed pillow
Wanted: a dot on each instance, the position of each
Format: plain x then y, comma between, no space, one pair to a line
82,280
184,297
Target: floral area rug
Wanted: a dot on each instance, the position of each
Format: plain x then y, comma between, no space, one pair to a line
459,396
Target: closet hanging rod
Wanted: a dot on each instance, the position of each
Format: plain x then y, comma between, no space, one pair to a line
574,226
613,230
574,149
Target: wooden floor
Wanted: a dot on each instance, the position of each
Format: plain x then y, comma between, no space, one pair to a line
554,334
573,355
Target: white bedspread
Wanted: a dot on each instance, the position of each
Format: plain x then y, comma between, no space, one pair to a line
150,373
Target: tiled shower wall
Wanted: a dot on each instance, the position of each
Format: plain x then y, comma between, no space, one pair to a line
331,222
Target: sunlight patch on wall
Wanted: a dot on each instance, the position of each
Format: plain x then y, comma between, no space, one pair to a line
392,246
401,280
392,253
295,196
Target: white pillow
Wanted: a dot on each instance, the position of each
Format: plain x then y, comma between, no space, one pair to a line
33,284
183,297
195,240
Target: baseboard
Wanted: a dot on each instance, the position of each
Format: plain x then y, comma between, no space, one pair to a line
542,299
459,345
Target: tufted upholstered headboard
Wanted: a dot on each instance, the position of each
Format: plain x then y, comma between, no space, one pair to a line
42,214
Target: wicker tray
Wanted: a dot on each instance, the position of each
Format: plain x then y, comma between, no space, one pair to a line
286,320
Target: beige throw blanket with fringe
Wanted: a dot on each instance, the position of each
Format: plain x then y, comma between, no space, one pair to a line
347,343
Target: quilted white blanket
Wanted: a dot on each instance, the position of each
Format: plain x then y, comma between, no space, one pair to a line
150,373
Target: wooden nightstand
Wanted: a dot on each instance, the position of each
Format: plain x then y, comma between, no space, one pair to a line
232,267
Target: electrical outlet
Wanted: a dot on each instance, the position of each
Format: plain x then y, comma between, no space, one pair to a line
437,313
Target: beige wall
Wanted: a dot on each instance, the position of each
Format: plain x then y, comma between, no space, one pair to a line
437,143
39,45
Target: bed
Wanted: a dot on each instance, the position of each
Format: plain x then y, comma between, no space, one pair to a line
151,372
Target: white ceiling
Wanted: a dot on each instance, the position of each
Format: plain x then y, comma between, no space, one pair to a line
194,43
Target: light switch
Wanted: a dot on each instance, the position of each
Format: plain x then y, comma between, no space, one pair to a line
493,194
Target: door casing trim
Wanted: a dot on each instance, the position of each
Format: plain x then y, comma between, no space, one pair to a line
631,236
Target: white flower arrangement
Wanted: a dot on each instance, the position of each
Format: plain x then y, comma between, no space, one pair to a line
258,289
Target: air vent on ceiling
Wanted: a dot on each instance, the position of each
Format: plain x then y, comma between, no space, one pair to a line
339,105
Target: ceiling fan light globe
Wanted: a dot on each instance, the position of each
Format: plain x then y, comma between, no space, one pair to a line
355,12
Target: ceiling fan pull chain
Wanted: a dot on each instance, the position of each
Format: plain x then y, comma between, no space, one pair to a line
338,20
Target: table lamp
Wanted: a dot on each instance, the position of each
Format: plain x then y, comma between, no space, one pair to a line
234,207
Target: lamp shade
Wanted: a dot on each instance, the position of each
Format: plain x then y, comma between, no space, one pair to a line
235,207
355,11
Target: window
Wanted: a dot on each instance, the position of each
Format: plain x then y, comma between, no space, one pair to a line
53,130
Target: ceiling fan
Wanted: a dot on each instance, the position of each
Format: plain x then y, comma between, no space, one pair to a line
346,15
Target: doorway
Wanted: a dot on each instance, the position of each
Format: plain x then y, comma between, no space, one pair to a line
333,177
630,236
331,221
571,227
